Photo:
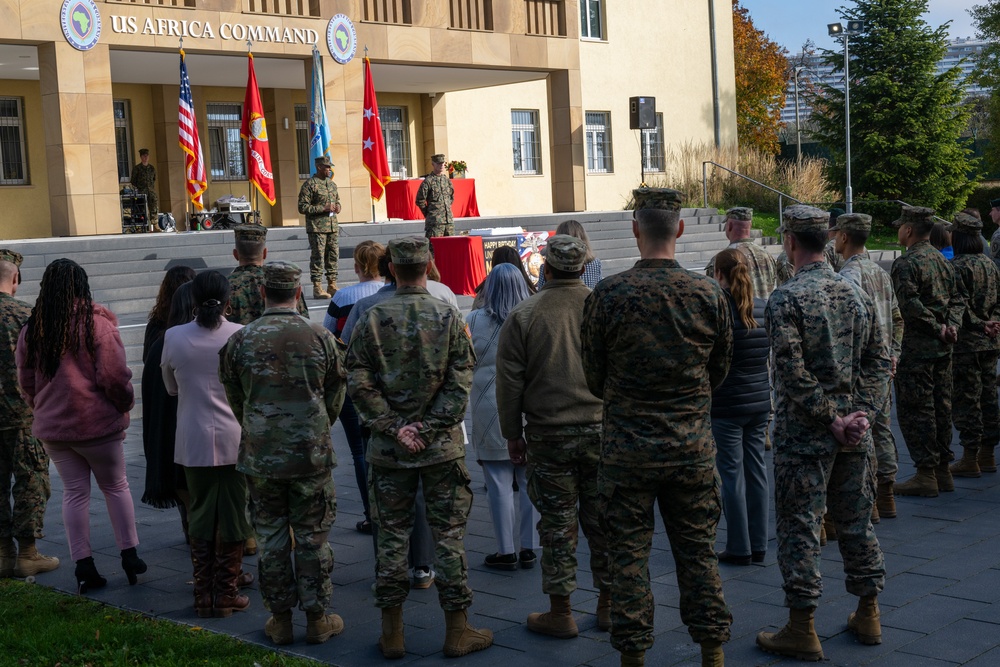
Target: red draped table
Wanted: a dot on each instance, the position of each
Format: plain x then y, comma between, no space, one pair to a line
460,261
401,196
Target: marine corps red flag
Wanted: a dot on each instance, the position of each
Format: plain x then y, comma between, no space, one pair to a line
254,130
373,151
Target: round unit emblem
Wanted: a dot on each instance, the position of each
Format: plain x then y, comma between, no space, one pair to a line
81,23
342,39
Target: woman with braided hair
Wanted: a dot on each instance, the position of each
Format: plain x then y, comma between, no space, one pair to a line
72,371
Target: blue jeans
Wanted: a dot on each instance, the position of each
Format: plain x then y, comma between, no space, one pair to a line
740,461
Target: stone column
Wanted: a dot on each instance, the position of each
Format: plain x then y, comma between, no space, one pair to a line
435,125
569,192
278,106
79,139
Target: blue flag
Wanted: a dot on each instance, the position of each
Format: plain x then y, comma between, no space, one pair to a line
319,127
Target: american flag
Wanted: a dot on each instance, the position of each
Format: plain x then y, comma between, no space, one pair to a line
194,160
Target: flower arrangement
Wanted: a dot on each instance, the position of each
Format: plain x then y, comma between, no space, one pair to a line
457,166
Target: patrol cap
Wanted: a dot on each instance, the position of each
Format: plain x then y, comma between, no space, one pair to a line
409,250
994,203
281,275
917,215
967,224
802,218
323,161
251,233
438,158
565,253
657,198
853,222
143,151
740,213
14,258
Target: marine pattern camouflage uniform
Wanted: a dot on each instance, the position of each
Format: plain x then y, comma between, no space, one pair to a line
830,360
21,456
928,298
656,340
876,283
246,301
321,227
974,363
784,269
434,199
762,267
411,359
285,380
143,179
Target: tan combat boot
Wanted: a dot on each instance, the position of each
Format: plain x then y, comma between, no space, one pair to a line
831,529
320,626
557,622
885,501
460,638
8,557
968,465
797,640
633,658
923,484
986,459
250,546
875,516
391,641
318,292
279,628
822,533
944,480
604,611
30,562
865,621
331,286
711,654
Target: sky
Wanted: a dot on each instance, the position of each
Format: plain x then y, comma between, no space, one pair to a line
791,22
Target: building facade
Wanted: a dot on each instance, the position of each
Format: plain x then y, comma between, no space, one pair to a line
532,94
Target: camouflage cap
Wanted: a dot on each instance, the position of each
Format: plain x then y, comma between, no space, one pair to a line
740,213
661,198
853,222
143,151
10,256
252,233
438,158
565,253
324,161
801,218
914,214
281,275
409,250
967,224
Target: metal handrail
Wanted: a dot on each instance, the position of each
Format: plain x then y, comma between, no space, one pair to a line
704,185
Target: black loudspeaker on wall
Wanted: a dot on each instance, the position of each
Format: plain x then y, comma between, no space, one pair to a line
642,113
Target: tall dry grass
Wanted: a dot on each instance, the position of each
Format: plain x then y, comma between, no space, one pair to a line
805,182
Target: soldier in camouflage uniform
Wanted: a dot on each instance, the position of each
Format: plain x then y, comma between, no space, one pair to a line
657,339
763,271
974,361
410,372
933,309
21,456
994,249
783,268
850,234
285,381
143,179
540,380
831,365
246,280
319,201
434,199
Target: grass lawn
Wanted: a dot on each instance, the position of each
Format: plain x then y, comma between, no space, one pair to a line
39,626
881,239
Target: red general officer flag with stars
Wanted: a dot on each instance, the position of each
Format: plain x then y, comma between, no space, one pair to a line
373,151
254,130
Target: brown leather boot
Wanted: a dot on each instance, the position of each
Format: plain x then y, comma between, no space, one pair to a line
30,562
633,658
203,562
923,484
391,642
228,565
320,626
711,654
885,501
460,638
8,557
987,459
798,639
865,621
968,465
944,480
318,292
557,622
279,628
604,611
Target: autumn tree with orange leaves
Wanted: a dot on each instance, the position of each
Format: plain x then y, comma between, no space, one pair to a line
761,77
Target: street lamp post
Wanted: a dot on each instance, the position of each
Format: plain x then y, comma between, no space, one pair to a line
837,31
798,124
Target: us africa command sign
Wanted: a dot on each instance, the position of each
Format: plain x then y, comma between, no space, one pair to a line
81,23
342,39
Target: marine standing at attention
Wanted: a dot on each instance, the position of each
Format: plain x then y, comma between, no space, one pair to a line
434,199
143,179
319,201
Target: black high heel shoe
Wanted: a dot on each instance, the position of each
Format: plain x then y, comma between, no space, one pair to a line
87,576
132,565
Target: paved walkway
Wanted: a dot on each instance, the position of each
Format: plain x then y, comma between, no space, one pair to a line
938,608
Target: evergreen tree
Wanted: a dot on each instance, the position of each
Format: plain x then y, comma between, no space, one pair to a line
906,120
986,18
